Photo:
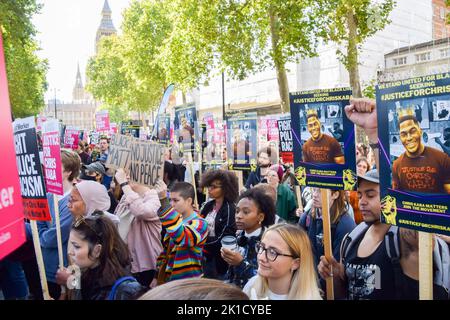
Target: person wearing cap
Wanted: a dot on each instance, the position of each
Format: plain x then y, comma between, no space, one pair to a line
97,171
286,203
365,272
420,168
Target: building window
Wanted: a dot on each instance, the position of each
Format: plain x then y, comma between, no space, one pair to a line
399,61
445,53
442,13
426,56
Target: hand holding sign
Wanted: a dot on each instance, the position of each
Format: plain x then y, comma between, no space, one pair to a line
161,188
121,176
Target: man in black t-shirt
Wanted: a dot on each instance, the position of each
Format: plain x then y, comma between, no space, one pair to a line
366,272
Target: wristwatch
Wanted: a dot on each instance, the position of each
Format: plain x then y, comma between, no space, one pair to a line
123,184
375,145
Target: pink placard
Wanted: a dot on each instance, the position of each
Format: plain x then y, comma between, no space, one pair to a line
112,128
52,157
272,130
102,121
71,137
12,228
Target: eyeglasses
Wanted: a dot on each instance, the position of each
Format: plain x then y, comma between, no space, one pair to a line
271,254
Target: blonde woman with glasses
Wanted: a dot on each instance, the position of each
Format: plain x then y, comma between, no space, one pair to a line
285,266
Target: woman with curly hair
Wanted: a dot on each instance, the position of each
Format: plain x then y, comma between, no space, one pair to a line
219,212
255,212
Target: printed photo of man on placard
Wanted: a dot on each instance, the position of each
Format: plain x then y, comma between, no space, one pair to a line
423,165
321,147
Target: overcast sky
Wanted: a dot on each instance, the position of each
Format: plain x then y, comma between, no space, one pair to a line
66,34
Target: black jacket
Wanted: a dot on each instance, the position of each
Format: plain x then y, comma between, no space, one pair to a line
225,225
254,178
93,288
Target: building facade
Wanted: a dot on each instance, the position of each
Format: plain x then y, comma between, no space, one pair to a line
411,23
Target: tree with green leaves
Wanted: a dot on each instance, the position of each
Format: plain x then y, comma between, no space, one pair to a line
25,70
349,24
241,37
125,74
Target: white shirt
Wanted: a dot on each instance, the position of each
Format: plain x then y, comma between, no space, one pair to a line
251,292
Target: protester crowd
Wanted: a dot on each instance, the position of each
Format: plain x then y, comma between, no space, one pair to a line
124,241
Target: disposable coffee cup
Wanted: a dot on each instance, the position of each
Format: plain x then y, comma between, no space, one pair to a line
229,242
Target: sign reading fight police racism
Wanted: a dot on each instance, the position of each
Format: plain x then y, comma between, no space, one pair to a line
119,151
52,157
30,171
414,133
324,139
146,162
286,141
242,142
12,229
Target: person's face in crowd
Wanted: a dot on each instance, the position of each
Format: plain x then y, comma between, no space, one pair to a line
263,160
317,198
283,266
104,145
78,250
224,154
272,178
76,204
313,125
184,122
411,137
361,168
181,205
215,190
248,216
369,201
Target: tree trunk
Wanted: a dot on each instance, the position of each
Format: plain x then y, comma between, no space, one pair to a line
183,96
352,56
283,86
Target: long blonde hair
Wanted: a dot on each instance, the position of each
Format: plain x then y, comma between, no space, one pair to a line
304,280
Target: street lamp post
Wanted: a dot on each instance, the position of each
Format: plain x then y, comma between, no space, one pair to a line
55,104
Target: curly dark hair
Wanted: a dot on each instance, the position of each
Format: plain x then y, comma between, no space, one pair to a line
264,203
230,185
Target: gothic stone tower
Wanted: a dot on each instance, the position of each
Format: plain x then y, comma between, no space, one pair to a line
106,27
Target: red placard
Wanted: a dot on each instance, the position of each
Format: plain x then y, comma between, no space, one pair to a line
71,137
112,128
52,157
12,230
102,121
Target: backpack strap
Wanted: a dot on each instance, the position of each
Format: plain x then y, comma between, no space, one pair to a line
392,243
351,238
116,285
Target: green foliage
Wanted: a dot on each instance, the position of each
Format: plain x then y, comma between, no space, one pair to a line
369,89
125,74
25,70
369,17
